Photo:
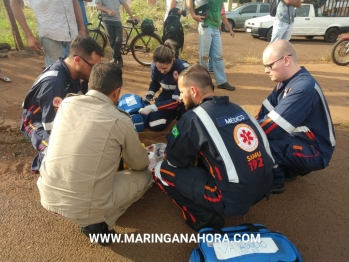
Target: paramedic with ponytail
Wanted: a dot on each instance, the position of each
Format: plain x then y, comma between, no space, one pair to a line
164,73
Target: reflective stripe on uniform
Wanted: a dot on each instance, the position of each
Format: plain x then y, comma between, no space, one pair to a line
218,142
158,174
47,126
332,139
281,122
168,87
263,135
267,105
157,122
302,129
46,74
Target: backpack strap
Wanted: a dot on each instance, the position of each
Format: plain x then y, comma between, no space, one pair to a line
174,11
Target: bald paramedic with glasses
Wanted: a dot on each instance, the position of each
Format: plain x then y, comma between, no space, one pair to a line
295,117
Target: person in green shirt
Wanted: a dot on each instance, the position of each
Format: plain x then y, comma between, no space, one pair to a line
210,43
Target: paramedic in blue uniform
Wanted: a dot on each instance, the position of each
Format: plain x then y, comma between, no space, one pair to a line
164,74
295,117
50,88
218,158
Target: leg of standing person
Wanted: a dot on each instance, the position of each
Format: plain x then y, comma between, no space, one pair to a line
281,30
114,32
54,50
216,55
205,40
118,43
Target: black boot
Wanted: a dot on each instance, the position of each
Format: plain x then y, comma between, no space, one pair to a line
100,228
214,221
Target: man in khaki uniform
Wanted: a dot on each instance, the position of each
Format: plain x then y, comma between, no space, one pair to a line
78,178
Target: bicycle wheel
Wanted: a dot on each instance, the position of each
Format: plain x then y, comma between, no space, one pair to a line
143,46
100,37
340,52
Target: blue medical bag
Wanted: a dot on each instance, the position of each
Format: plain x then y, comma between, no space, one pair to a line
244,243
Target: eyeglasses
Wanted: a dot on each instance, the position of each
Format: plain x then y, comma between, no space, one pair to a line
270,66
91,65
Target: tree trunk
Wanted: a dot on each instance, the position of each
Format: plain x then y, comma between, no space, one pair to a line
14,28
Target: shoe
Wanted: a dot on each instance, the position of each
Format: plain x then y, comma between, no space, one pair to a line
214,221
119,63
5,79
100,228
278,189
226,86
290,176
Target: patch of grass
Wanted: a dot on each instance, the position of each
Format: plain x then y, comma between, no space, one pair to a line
250,57
252,60
6,33
326,57
25,140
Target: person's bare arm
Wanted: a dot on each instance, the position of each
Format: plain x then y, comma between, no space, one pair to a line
128,10
190,7
227,25
100,7
78,17
180,11
173,4
295,3
16,7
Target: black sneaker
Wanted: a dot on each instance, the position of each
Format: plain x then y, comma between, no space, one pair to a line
117,62
290,176
100,228
226,86
120,63
278,189
214,221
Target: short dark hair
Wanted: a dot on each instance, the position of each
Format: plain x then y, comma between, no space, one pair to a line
165,53
84,46
105,78
199,76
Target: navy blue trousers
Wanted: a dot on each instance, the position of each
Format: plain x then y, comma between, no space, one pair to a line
188,189
293,154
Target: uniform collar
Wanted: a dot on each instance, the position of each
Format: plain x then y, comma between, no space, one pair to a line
100,96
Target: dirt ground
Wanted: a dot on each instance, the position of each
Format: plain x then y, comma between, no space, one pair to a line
312,213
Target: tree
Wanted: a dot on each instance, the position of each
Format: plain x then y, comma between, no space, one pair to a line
14,28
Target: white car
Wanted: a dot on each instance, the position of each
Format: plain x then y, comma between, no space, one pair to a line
305,24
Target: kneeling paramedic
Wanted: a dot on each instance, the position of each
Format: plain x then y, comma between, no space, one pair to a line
218,158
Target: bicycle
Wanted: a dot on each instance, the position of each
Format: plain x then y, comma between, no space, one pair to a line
141,46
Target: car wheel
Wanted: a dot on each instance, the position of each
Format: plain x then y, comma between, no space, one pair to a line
309,37
331,35
270,32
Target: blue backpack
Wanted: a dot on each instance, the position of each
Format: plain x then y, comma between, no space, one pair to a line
131,103
230,244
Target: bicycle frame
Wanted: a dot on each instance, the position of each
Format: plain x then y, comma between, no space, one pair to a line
141,45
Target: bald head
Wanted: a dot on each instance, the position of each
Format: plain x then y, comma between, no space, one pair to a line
280,60
280,48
